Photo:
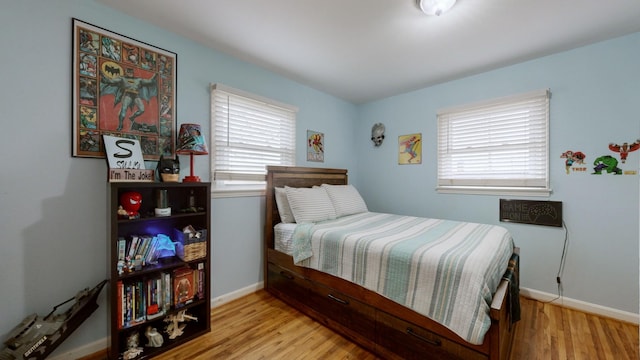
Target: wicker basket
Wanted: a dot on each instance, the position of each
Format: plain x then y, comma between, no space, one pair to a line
189,249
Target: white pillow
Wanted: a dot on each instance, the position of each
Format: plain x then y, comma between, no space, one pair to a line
346,199
310,205
286,216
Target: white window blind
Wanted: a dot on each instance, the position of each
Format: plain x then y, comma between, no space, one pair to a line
498,146
249,132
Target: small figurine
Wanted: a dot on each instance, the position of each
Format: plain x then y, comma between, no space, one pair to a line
133,350
121,267
191,232
137,263
174,329
130,202
154,338
122,213
169,169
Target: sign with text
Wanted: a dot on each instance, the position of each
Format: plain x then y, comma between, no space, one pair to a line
125,160
131,175
547,213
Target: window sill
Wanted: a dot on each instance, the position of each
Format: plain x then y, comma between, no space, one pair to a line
236,191
511,191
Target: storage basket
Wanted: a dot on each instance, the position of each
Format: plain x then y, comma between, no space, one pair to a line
189,249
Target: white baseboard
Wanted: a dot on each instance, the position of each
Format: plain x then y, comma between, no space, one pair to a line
223,299
582,306
633,318
83,350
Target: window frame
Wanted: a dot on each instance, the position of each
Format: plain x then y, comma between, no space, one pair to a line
242,184
450,180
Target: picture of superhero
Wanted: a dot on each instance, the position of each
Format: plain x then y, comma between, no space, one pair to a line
130,92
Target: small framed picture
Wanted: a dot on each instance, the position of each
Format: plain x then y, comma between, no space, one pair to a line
410,149
315,146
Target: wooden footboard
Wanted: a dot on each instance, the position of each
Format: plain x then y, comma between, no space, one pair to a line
376,323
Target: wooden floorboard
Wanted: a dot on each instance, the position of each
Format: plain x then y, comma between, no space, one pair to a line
259,326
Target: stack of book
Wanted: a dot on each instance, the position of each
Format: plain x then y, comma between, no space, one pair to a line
137,250
148,299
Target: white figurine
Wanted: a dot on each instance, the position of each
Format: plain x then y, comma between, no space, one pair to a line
132,347
174,329
154,338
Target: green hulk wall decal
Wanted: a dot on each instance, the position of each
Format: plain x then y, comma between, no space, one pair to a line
607,163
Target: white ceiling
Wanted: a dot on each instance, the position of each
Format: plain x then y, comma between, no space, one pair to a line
363,50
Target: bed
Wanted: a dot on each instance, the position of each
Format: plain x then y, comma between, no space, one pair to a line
385,313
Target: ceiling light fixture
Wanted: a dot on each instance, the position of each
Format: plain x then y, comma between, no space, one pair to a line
435,7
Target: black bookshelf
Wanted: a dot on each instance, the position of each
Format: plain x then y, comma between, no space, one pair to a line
146,295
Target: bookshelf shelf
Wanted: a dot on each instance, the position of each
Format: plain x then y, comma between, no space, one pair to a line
146,292
145,218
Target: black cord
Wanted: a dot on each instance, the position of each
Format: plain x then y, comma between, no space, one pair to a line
563,259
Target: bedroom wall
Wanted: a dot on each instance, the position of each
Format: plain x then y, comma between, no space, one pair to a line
594,102
54,206
53,215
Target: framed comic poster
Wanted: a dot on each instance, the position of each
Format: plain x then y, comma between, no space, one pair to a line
123,88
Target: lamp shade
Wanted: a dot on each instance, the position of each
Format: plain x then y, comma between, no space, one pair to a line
191,140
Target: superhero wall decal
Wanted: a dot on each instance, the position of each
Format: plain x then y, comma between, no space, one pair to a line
624,149
607,163
574,158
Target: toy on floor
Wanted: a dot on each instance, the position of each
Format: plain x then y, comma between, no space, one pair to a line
36,337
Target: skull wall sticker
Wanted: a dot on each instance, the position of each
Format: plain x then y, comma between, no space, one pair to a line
377,134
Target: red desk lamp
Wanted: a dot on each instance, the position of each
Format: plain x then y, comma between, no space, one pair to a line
191,142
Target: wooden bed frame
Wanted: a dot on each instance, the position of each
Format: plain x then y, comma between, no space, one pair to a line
374,322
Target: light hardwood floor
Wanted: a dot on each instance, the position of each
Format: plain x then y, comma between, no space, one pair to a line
259,326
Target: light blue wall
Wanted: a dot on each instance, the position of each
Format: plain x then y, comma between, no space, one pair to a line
595,94
53,214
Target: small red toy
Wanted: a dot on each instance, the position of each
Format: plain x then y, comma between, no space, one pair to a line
130,202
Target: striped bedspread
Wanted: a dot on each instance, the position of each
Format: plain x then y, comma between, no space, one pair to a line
446,270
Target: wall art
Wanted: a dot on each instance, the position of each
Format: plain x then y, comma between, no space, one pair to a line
124,88
574,161
315,146
410,149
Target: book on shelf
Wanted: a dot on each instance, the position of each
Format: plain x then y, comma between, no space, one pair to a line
154,304
132,247
127,306
137,307
122,248
200,281
139,301
120,304
142,246
167,291
136,251
183,286
151,297
150,256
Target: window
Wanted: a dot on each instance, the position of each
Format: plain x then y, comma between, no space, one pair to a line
248,133
496,147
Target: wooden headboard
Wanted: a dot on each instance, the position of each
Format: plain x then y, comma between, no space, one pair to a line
294,176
